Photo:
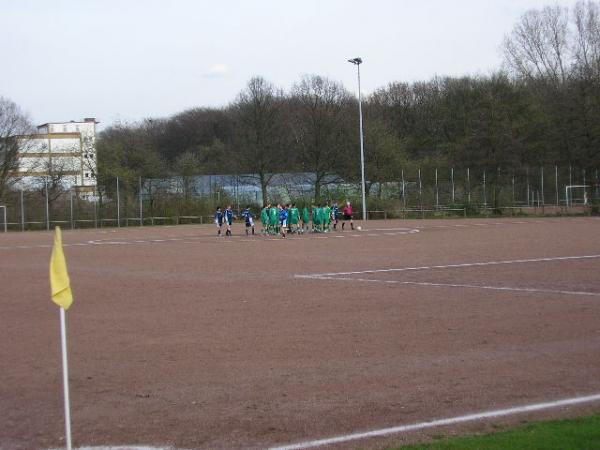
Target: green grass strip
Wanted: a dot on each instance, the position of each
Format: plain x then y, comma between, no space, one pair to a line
573,434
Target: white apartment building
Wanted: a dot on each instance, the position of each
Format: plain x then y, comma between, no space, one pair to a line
64,151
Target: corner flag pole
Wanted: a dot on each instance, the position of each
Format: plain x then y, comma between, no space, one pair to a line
60,287
63,339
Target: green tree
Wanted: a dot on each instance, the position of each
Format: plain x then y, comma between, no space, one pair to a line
187,165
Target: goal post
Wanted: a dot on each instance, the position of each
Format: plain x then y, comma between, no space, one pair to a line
569,193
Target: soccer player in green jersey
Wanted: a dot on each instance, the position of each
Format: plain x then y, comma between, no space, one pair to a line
273,220
305,219
316,218
293,218
264,218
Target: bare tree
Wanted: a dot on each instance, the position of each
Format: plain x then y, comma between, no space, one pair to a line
14,128
322,126
538,47
259,137
56,179
586,17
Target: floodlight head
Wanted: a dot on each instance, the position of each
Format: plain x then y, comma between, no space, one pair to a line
356,61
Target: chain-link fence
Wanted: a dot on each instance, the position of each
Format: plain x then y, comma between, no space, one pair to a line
416,193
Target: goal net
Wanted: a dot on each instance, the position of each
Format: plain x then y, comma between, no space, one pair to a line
576,194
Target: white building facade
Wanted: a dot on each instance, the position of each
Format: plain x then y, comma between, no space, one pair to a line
64,152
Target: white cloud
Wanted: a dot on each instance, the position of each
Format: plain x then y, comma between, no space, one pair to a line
216,71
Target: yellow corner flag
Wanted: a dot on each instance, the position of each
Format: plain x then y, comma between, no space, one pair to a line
60,284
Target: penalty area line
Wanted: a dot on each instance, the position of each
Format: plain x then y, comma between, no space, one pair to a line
441,422
457,285
453,266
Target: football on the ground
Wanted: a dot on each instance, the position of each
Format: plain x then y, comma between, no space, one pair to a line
359,228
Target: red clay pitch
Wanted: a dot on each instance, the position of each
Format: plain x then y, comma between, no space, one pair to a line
177,337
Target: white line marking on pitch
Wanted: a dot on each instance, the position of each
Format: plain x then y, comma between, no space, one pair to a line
121,447
470,286
389,229
452,266
441,422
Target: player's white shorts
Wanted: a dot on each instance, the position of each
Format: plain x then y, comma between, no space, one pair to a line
283,223
250,222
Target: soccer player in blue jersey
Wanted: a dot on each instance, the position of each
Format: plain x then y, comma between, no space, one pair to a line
283,218
228,219
219,219
249,219
335,212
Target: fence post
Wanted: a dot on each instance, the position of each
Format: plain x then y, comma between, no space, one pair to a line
421,192
484,192
542,181
22,211
95,209
237,193
495,199
527,182
403,191
141,205
570,175
5,222
118,205
584,189
452,178
71,204
437,197
513,189
47,205
556,184
468,186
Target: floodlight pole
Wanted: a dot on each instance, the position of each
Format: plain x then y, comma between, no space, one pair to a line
357,62
47,204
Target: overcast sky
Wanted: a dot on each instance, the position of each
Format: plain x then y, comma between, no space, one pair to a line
127,60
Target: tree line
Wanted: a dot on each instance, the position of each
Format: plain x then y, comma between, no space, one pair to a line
540,108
